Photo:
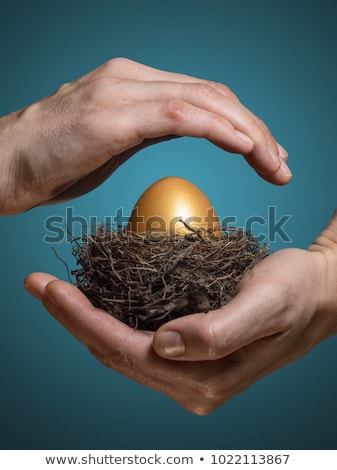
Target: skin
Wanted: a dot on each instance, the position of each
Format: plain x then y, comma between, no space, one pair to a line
287,304
68,143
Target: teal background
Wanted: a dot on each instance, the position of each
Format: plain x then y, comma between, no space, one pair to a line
280,58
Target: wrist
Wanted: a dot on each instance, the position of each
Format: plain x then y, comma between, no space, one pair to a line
7,159
18,157
324,250
327,240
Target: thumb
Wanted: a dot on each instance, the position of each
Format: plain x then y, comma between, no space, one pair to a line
254,313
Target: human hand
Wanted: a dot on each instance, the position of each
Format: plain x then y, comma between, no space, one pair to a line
68,143
125,349
284,307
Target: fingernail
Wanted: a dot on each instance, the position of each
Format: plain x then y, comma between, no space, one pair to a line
282,151
245,138
33,290
285,170
275,157
170,343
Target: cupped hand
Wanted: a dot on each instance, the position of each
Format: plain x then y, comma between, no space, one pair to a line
283,308
125,349
68,143
276,316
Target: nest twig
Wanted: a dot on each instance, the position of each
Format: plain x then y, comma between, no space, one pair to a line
146,281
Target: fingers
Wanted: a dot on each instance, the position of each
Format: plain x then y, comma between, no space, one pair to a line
181,118
112,342
128,69
147,84
282,176
189,113
205,97
254,313
200,387
36,283
123,349
75,312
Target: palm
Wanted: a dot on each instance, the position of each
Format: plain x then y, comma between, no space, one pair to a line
98,176
269,323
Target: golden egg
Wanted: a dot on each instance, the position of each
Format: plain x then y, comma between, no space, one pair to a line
172,205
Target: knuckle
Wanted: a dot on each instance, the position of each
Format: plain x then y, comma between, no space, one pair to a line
206,91
116,64
255,131
285,319
102,83
176,109
116,360
207,397
122,362
224,90
261,123
64,88
96,96
282,297
200,409
209,340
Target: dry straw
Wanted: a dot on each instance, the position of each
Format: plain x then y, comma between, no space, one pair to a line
146,281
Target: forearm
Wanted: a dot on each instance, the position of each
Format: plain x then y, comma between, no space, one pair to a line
21,169
8,163
35,157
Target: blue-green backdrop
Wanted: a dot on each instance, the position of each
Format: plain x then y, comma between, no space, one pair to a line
280,58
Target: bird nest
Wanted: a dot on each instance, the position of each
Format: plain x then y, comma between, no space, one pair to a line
145,281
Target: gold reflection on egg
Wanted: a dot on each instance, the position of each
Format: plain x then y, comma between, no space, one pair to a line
171,205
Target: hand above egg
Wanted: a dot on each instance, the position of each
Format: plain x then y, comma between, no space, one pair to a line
70,142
